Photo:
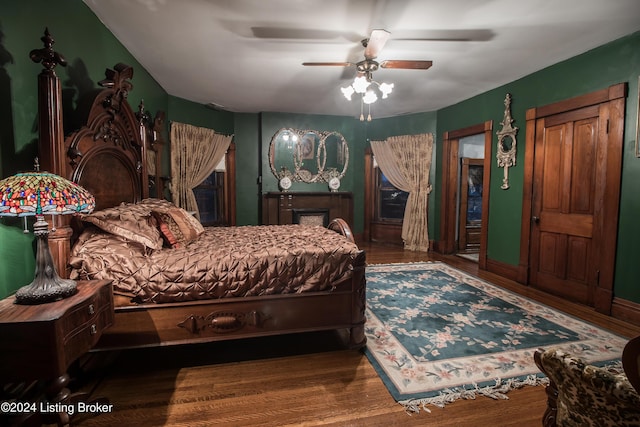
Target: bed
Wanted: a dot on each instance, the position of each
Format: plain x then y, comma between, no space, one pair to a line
308,286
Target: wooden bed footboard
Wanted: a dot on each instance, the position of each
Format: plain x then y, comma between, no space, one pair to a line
150,325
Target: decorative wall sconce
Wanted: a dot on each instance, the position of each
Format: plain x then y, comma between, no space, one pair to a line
506,143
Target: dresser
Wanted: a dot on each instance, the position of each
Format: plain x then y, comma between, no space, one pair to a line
300,207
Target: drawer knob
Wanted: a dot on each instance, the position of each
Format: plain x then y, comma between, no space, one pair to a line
91,309
94,329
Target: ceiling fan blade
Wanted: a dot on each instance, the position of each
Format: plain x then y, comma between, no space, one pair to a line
469,35
288,33
375,43
327,64
406,64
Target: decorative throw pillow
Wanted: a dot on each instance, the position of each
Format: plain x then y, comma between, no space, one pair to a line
177,224
156,204
128,221
169,230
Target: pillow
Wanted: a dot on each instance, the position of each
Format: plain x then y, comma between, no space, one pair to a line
177,226
169,230
156,204
131,222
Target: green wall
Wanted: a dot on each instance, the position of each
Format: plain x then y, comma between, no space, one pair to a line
248,168
183,111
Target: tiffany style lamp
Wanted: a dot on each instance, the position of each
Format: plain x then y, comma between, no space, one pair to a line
37,194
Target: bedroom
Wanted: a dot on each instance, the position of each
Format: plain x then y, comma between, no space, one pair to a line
89,55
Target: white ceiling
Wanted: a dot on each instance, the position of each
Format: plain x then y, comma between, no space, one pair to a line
246,55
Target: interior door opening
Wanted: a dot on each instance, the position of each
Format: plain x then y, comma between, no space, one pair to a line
465,192
470,207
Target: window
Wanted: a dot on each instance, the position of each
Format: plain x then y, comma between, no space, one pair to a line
390,201
210,198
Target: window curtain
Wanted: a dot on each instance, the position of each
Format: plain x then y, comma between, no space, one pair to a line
406,161
195,152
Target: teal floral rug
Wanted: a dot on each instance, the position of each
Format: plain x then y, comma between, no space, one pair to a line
436,334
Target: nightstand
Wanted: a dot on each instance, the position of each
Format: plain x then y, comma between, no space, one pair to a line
40,342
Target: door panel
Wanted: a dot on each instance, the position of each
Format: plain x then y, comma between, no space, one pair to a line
563,206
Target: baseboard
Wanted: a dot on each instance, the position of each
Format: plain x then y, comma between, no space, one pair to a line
626,310
501,269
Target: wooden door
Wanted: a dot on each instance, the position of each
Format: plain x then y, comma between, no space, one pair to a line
574,204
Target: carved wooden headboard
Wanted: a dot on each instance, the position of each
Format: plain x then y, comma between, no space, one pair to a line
106,154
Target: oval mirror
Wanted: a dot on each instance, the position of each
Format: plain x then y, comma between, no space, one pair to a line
307,162
282,152
336,155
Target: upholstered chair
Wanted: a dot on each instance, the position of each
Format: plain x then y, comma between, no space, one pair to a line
582,395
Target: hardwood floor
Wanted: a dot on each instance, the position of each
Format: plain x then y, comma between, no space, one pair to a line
298,380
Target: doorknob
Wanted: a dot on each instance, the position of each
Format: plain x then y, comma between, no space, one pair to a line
535,219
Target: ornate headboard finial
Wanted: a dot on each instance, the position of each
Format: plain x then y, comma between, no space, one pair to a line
117,79
47,56
119,85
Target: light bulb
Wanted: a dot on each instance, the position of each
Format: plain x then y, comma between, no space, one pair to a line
386,89
360,84
347,92
370,97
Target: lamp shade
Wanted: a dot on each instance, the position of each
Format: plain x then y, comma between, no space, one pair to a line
42,193
37,194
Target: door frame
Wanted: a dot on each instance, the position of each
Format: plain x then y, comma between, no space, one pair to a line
612,102
450,172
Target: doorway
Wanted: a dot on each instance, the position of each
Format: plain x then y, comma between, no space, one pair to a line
470,211
466,153
573,164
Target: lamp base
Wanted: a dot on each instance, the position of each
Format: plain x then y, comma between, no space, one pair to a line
47,285
43,292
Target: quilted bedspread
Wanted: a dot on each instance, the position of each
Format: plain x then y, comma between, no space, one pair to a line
223,262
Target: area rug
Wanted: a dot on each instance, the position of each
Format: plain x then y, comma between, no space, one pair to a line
436,334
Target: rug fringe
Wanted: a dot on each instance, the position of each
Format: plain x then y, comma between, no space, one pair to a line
496,391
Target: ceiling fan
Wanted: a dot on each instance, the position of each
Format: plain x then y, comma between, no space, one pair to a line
372,48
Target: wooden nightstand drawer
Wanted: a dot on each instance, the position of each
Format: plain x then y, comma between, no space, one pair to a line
81,339
41,341
86,311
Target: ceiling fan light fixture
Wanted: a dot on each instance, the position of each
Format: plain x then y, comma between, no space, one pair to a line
369,97
347,92
360,84
386,89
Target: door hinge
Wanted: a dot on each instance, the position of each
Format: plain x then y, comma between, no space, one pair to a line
598,278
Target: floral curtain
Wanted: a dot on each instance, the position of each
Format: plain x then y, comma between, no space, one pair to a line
406,161
195,152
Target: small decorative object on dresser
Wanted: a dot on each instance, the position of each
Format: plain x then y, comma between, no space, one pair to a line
40,342
285,183
334,184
